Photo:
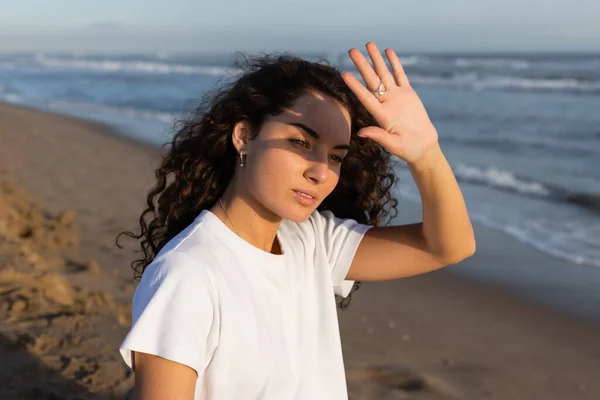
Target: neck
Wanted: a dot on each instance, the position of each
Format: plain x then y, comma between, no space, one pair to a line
253,222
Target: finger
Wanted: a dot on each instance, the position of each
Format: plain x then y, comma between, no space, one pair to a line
362,93
380,67
364,68
399,74
377,134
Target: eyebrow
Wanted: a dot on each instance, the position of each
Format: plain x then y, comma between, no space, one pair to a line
314,134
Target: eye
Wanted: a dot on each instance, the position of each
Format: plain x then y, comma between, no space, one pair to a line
337,159
300,142
304,143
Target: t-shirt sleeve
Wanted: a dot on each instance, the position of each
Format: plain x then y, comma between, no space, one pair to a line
174,313
341,238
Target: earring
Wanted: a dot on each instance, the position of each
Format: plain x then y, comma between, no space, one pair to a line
241,158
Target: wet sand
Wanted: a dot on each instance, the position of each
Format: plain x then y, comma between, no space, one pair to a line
69,186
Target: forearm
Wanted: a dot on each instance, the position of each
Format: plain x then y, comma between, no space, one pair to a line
447,227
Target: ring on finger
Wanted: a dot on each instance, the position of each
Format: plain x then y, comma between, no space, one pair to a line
379,92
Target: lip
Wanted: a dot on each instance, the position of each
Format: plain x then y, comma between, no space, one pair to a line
312,194
305,201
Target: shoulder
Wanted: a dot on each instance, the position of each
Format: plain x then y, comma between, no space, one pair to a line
175,311
193,241
177,275
190,253
176,263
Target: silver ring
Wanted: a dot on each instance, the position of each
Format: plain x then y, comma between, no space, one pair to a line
379,92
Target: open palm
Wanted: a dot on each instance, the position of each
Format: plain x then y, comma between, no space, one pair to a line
405,129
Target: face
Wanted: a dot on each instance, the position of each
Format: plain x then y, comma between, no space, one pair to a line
295,161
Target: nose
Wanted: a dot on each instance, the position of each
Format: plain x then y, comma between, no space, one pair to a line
317,171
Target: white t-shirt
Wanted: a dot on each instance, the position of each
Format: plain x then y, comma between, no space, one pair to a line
254,325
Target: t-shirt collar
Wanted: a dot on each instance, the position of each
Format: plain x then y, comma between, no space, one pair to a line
236,243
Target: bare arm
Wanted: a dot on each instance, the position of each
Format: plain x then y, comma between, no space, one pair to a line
406,131
157,378
444,237
447,229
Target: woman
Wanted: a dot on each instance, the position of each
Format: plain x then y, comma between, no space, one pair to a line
269,203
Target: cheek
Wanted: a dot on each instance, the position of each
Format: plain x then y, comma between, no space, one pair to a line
334,179
275,170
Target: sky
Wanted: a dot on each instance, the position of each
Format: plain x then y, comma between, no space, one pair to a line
299,25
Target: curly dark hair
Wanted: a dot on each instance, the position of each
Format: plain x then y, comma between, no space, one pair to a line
201,160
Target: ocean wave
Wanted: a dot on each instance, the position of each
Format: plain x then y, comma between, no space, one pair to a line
11,98
123,111
499,179
414,60
507,181
541,84
8,95
449,71
137,66
477,81
541,63
564,64
525,235
564,241
568,144
585,64
493,63
587,200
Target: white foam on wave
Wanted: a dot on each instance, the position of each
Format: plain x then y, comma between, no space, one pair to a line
499,179
495,177
123,111
498,81
137,66
525,235
414,60
492,63
567,246
475,81
515,64
468,79
9,96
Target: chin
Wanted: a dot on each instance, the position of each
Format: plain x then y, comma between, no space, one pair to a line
298,218
297,213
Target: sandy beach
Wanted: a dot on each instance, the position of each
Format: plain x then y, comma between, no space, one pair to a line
68,187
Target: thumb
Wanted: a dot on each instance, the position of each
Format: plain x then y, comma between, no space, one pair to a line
377,134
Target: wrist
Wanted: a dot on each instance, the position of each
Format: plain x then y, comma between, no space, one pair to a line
428,159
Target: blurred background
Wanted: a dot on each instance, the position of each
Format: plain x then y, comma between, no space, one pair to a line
513,88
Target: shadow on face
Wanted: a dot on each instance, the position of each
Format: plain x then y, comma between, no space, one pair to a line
299,150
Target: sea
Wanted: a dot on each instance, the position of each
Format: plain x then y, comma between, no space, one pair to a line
521,131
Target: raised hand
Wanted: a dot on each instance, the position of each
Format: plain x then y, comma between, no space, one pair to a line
405,129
